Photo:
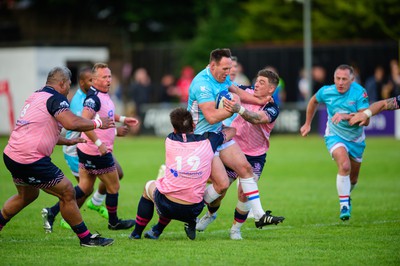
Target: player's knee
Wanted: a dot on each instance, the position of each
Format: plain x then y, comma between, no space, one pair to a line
149,189
345,167
68,195
245,169
222,186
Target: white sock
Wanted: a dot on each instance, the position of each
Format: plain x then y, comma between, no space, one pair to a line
343,189
243,206
236,226
250,190
98,198
210,194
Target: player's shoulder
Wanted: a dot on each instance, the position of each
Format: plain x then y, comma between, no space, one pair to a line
356,86
272,108
92,91
331,87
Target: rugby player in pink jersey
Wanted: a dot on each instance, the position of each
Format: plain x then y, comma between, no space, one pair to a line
27,154
95,156
179,193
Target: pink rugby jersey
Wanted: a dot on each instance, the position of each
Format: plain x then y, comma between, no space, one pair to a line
188,165
37,131
253,139
100,103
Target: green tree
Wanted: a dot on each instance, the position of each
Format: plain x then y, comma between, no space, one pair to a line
282,20
217,28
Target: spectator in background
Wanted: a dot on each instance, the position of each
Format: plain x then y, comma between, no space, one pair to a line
168,90
304,88
280,93
183,83
392,88
318,76
140,89
357,73
375,83
115,94
241,78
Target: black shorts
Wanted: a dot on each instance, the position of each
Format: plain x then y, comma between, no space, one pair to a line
257,163
96,165
176,211
40,174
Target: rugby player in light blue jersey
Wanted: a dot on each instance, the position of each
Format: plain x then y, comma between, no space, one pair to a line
346,143
203,92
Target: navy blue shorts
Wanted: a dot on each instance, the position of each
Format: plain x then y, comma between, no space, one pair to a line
257,163
177,211
96,165
40,174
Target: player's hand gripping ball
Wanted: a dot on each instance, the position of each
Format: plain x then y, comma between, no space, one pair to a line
220,99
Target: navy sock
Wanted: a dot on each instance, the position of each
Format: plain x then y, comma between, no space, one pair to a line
144,214
82,232
212,209
3,221
162,223
240,218
112,206
78,192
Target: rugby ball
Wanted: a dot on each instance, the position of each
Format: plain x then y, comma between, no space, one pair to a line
220,98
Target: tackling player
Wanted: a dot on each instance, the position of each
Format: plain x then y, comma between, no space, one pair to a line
179,193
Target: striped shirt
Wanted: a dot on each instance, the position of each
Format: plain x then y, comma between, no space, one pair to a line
188,165
253,139
100,103
37,131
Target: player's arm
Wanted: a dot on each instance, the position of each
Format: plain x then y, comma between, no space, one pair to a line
90,113
311,109
68,142
341,117
121,131
259,117
72,122
212,114
248,97
362,118
129,121
387,104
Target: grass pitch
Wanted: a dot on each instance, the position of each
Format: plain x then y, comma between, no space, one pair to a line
299,182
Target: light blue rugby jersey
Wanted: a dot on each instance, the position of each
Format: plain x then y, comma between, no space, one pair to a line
204,88
76,107
351,101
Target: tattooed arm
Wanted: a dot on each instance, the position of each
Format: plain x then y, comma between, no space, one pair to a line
264,115
361,118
